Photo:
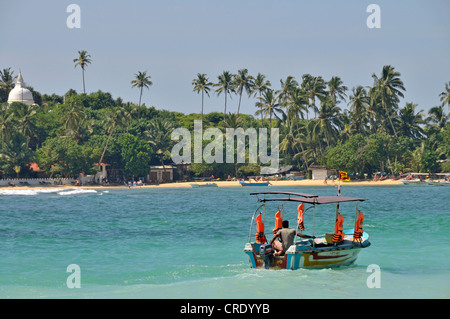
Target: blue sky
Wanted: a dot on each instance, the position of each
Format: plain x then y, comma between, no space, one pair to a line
174,40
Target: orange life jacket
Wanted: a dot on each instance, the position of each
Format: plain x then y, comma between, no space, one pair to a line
278,222
300,217
338,235
357,234
260,237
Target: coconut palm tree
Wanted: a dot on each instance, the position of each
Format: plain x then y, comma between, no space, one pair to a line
287,86
83,60
387,88
410,121
141,81
329,122
315,86
260,85
224,85
25,118
201,84
268,104
7,80
445,95
336,89
7,123
73,116
115,118
243,81
359,105
436,115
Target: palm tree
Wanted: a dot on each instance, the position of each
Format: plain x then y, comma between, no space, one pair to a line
115,118
83,60
336,89
224,85
268,104
25,118
387,88
287,86
73,117
359,105
328,123
410,121
315,86
436,115
141,81
243,81
6,80
260,85
15,153
7,123
445,95
201,84
159,137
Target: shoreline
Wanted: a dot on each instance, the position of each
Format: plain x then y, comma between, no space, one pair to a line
219,184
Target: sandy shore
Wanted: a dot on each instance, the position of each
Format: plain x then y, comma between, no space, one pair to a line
219,184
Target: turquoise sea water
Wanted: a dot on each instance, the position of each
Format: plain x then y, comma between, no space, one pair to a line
188,243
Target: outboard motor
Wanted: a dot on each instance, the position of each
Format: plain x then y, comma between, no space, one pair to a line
266,252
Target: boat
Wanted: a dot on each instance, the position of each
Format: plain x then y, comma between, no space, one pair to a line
414,181
340,248
196,185
254,183
296,178
439,183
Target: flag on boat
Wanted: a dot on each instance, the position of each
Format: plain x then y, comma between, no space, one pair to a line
343,176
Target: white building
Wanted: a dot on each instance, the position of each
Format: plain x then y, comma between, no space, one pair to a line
20,93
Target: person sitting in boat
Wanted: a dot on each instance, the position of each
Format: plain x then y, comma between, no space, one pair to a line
286,235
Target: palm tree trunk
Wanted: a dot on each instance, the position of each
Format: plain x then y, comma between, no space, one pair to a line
225,112
239,105
82,73
139,107
202,104
106,146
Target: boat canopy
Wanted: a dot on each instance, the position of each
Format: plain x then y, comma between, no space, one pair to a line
307,198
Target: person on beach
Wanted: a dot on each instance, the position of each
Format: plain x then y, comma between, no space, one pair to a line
286,235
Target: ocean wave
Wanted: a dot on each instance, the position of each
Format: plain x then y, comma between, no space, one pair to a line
77,192
28,192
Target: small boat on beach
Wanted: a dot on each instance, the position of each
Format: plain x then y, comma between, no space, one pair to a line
196,185
254,183
340,248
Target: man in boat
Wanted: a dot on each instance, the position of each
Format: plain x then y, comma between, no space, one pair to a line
286,236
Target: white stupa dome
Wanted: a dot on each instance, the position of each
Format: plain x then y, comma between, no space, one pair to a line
20,93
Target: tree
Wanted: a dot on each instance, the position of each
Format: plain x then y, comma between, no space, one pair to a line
115,118
72,118
445,95
243,81
6,83
83,60
224,85
159,137
201,84
141,81
387,88
25,118
315,86
437,116
287,87
15,154
259,86
268,104
359,105
336,89
135,154
7,123
410,122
